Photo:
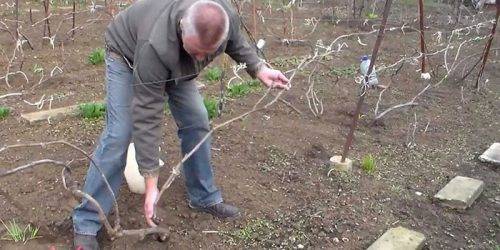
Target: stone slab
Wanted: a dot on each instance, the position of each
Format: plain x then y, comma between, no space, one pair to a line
492,154
399,238
51,113
460,192
336,163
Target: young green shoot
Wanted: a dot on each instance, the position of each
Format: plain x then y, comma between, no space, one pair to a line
37,69
96,57
368,164
4,112
372,15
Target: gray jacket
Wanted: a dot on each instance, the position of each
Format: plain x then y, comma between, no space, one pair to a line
147,34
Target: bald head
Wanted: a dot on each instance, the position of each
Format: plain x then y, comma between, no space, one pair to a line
206,20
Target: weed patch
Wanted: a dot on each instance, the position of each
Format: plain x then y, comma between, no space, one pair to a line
92,110
213,74
243,88
17,234
257,230
344,72
211,106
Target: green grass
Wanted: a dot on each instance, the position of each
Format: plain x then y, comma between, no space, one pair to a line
345,71
17,234
372,16
243,88
256,230
427,3
286,62
213,74
96,57
56,3
37,69
92,110
4,112
211,106
166,109
368,164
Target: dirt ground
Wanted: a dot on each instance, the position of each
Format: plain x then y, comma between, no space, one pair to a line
274,164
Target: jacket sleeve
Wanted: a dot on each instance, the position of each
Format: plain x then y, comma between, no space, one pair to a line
239,49
148,108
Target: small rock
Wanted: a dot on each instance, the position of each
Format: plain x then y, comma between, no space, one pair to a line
344,239
336,240
418,193
300,246
322,234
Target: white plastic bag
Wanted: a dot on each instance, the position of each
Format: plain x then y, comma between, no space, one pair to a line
133,177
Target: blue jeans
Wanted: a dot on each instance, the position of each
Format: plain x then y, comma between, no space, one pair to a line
186,105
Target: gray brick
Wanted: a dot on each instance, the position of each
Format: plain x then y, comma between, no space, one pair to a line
492,154
399,238
460,193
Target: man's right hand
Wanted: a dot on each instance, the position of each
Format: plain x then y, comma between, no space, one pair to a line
150,197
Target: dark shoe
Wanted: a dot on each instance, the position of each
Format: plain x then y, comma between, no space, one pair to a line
220,210
85,242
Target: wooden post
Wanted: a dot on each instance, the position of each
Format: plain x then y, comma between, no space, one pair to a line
31,16
457,11
46,6
354,9
488,45
73,24
422,35
254,14
355,118
17,20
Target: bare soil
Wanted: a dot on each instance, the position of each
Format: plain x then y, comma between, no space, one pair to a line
274,164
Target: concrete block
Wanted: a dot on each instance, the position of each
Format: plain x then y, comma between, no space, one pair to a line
134,179
51,113
399,238
336,163
492,154
460,192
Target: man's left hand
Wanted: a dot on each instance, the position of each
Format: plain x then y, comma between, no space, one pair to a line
273,78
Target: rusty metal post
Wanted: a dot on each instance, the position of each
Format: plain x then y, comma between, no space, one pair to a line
422,35
488,45
355,118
